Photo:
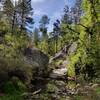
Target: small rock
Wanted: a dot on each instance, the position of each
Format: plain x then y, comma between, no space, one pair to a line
55,96
68,98
78,85
2,94
60,83
73,48
79,90
95,85
90,84
87,87
56,73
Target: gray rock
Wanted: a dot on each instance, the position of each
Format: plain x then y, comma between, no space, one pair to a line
73,48
36,56
56,73
66,63
38,60
95,85
60,83
61,54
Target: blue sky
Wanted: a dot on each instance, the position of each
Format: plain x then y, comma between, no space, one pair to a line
52,8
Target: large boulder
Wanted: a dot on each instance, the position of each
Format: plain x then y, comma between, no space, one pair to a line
40,72
38,59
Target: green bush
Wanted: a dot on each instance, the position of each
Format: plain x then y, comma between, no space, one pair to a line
13,90
12,97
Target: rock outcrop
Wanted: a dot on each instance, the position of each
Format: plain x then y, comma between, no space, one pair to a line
62,69
40,72
38,60
61,54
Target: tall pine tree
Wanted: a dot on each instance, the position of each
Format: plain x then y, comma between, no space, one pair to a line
25,12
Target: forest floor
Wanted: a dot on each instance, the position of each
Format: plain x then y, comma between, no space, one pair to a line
57,90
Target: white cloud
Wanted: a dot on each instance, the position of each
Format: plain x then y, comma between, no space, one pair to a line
56,15
13,1
35,1
39,12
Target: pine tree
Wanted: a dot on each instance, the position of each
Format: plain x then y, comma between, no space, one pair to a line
66,18
91,37
36,37
56,33
44,21
8,10
25,13
76,12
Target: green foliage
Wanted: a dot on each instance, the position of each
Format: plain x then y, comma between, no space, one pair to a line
12,58
36,37
88,47
8,10
13,90
3,27
89,39
51,87
71,67
44,46
45,96
97,90
12,97
13,45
